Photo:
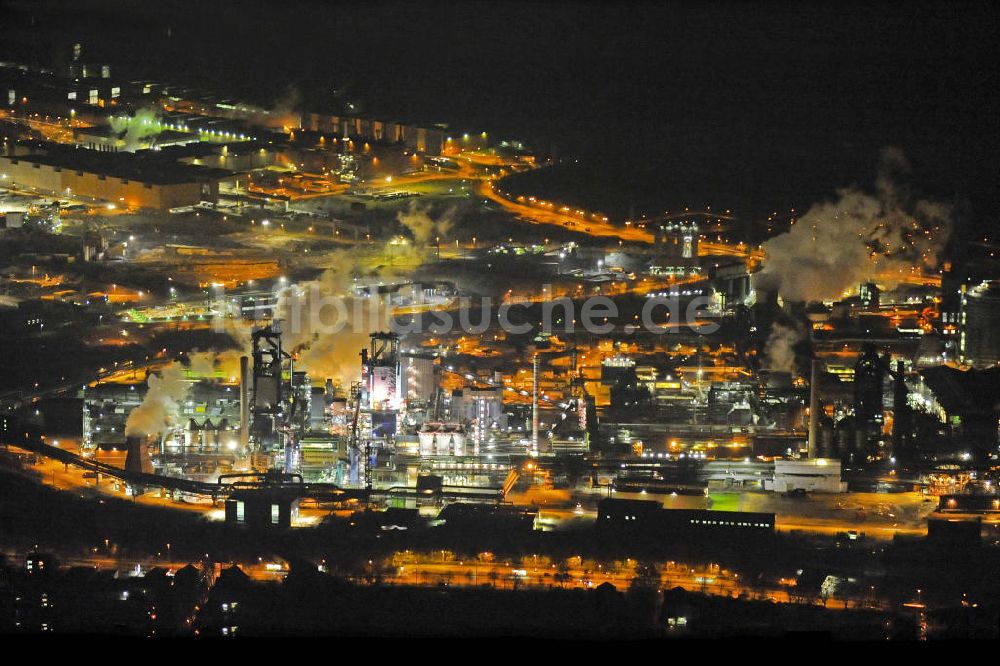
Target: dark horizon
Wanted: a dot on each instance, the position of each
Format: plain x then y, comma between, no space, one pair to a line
754,107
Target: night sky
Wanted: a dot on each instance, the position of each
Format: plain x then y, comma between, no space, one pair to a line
749,106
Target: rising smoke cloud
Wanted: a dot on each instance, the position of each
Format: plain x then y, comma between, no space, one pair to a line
134,129
284,111
319,323
307,321
203,364
159,408
422,226
325,324
838,244
207,364
779,350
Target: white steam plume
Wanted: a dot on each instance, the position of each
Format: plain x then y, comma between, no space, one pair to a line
326,325
203,364
779,350
133,129
160,406
838,244
423,227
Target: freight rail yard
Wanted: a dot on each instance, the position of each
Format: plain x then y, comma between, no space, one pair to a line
322,346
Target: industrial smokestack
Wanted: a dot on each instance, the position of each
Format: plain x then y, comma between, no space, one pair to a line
814,409
244,402
137,460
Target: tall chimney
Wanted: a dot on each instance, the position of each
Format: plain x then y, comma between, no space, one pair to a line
244,402
814,409
137,460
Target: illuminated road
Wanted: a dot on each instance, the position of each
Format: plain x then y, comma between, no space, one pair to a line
877,516
440,568
89,484
410,569
715,248
913,277
537,215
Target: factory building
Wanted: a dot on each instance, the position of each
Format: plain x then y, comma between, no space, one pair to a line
950,308
948,533
480,407
257,305
870,296
271,508
616,369
730,403
499,518
206,424
105,139
979,337
965,401
105,410
240,156
732,281
869,379
417,377
122,178
648,517
676,248
969,503
441,439
431,140
821,475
